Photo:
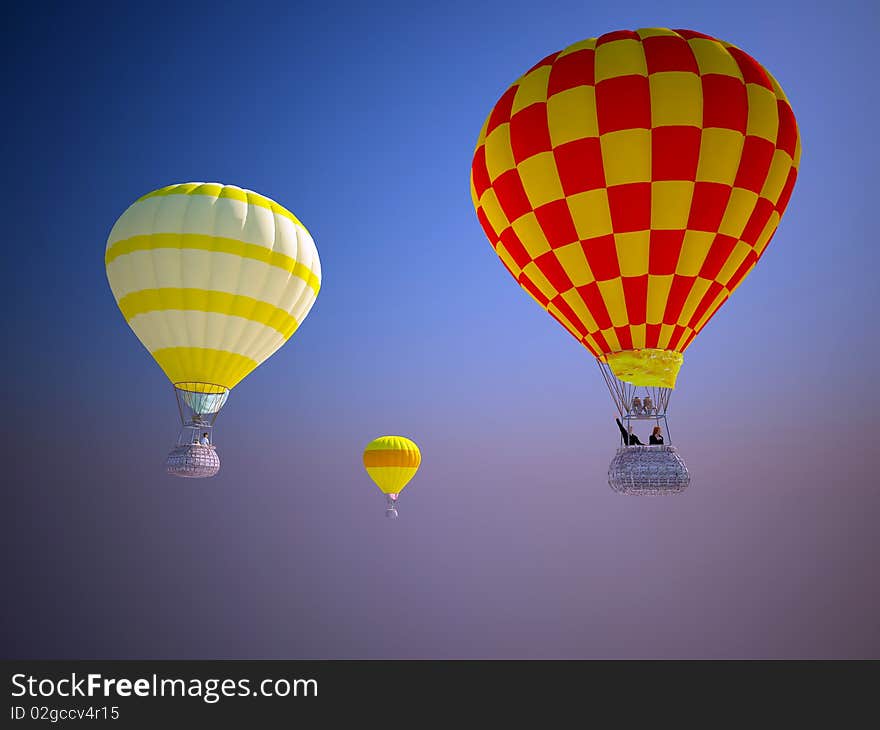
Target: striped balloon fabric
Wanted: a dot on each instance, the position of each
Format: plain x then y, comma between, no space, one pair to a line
212,278
391,461
630,182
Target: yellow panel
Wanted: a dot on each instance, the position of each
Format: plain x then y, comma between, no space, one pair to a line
666,331
658,294
151,300
532,89
588,44
496,217
530,233
764,238
720,155
590,213
632,252
739,210
671,204
620,58
580,309
737,256
611,338
615,302
571,115
391,479
779,169
499,155
540,179
534,274
652,32
627,156
481,138
763,118
698,291
216,190
693,252
713,58
198,242
676,98
572,259
638,333
197,365
797,152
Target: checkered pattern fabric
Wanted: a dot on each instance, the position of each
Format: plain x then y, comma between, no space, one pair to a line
630,182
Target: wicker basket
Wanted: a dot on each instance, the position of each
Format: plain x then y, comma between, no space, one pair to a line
648,470
193,461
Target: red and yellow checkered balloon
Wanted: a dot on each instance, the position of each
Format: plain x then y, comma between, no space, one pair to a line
630,182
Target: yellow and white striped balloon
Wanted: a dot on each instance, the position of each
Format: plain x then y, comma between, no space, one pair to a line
212,278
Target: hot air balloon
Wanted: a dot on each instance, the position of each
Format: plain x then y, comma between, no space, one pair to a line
629,183
391,461
212,279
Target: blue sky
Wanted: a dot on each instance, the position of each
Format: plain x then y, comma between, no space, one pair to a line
362,119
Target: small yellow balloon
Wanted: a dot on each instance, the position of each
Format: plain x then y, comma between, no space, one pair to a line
391,461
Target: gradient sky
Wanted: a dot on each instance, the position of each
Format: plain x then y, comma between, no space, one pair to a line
362,120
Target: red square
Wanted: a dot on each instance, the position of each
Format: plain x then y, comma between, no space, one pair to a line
501,112
526,283
574,69
556,223
570,315
579,164
725,102
635,292
624,337
754,164
708,206
675,153
529,132
623,102
687,34
786,137
592,299
752,71
604,347
511,195
652,335
678,294
663,252
550,267
617,35
630,206
709,297
514,247
669,53
785,195
601,255
720,250
479,171
760,215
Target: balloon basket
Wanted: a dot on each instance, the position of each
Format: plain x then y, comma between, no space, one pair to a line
648,470
193,461
391,506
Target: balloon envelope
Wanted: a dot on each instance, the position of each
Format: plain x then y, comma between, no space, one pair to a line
212,278
391,461
630,182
